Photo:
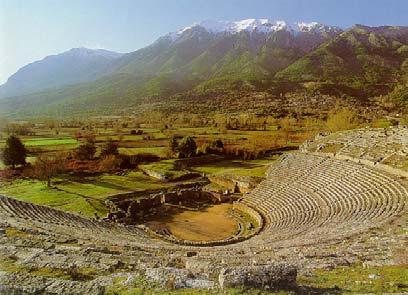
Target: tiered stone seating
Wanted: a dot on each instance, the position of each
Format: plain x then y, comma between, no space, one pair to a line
71,224
303,193
304,197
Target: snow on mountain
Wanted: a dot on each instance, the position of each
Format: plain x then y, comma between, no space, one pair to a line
254,25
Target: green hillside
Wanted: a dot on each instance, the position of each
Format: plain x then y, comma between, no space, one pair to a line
362,62
367,60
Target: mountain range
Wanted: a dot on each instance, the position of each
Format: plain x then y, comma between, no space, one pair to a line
214,57
71,67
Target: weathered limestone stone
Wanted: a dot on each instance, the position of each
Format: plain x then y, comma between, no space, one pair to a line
26,284
180,278
275,276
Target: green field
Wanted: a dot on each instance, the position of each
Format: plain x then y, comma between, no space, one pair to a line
237,167
29,142
49,141
159,151
85,196
166,168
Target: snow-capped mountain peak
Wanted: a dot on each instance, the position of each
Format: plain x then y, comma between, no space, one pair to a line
261,25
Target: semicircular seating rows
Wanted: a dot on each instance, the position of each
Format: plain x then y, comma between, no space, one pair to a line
303,197
322,197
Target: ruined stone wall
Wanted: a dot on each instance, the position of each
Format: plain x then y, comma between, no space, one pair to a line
130,209
245,183
191,195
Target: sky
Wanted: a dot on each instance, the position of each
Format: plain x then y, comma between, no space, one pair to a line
33,29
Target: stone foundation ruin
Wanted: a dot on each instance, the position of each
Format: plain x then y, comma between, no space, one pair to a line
138,211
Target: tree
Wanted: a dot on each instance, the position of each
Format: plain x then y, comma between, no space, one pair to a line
47,167
86,151
14,153
109,148
187,147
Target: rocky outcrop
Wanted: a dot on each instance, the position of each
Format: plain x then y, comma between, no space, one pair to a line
242,184
174,278
12,283
274,277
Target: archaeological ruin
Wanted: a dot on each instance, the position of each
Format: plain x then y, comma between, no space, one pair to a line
341,199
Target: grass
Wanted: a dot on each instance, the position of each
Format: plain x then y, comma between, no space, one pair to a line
30,159
347,280
166,168
49,141
356,279
9,264
135,181
84,196
38,193
237,167
143,287
159,151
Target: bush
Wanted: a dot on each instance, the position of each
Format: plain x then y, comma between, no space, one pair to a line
187,147
131,161
109,148
109,163
217,144
134,132
47,167
86,151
